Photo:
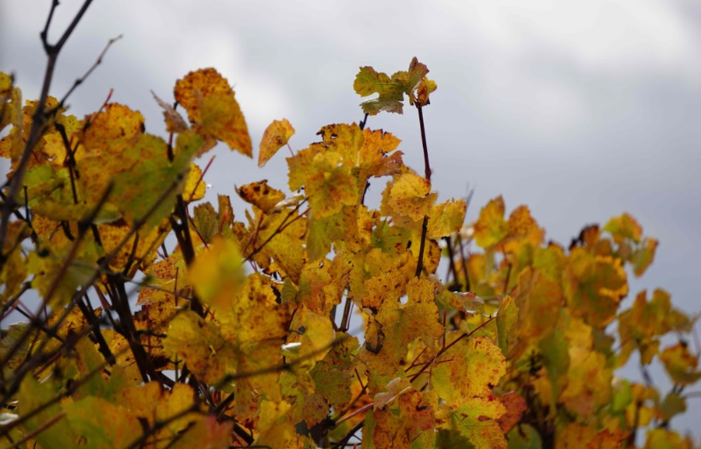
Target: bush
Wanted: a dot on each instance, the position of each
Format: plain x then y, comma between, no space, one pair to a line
243,336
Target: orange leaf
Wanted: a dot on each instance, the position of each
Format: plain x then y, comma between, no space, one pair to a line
211,105
275,136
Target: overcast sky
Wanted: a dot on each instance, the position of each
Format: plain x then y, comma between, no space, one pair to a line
580,109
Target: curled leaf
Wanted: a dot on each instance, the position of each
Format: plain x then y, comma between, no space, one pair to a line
275,137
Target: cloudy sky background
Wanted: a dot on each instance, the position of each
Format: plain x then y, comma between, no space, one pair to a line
579,109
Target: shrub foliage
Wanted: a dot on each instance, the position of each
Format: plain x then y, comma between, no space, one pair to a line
243,334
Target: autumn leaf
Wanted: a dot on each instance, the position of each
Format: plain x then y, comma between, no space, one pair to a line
594,285
392,390
200,345
112,427
391,90
217,274
644,255
470,369
515,405
446,218
492,231
174,122
275,136
507,319
112,130
680,364
641,326
330,186
476,419
195,188
261,195
624,227
212,107
32,399
410,196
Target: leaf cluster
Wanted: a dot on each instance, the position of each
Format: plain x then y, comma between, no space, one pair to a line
241,334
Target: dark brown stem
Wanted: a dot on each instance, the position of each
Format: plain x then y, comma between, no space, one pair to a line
422,247
69,161
10,304
342,443
363,122
427,165
102,346
463,261
184,237
451,264
427,168
345,320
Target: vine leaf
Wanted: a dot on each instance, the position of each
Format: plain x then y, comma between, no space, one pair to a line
391,90
446,219
410,196
217,274
681,364
32,396
212,108
174,121
471,369
112,427
261,195
594,286
476,419
200,345
276,135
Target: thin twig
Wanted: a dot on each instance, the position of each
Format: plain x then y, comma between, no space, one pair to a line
427,167
39,118
80,80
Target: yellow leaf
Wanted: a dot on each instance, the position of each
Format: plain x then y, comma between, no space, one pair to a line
681,364
476,419
217,273
102,424
275,136
624,227
446,218
575,436
317,339
195,187
112,130
411,196
270,414
152,403
199,344
211,105
491,227
594,286
471,369
330,185
261,195
33,397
